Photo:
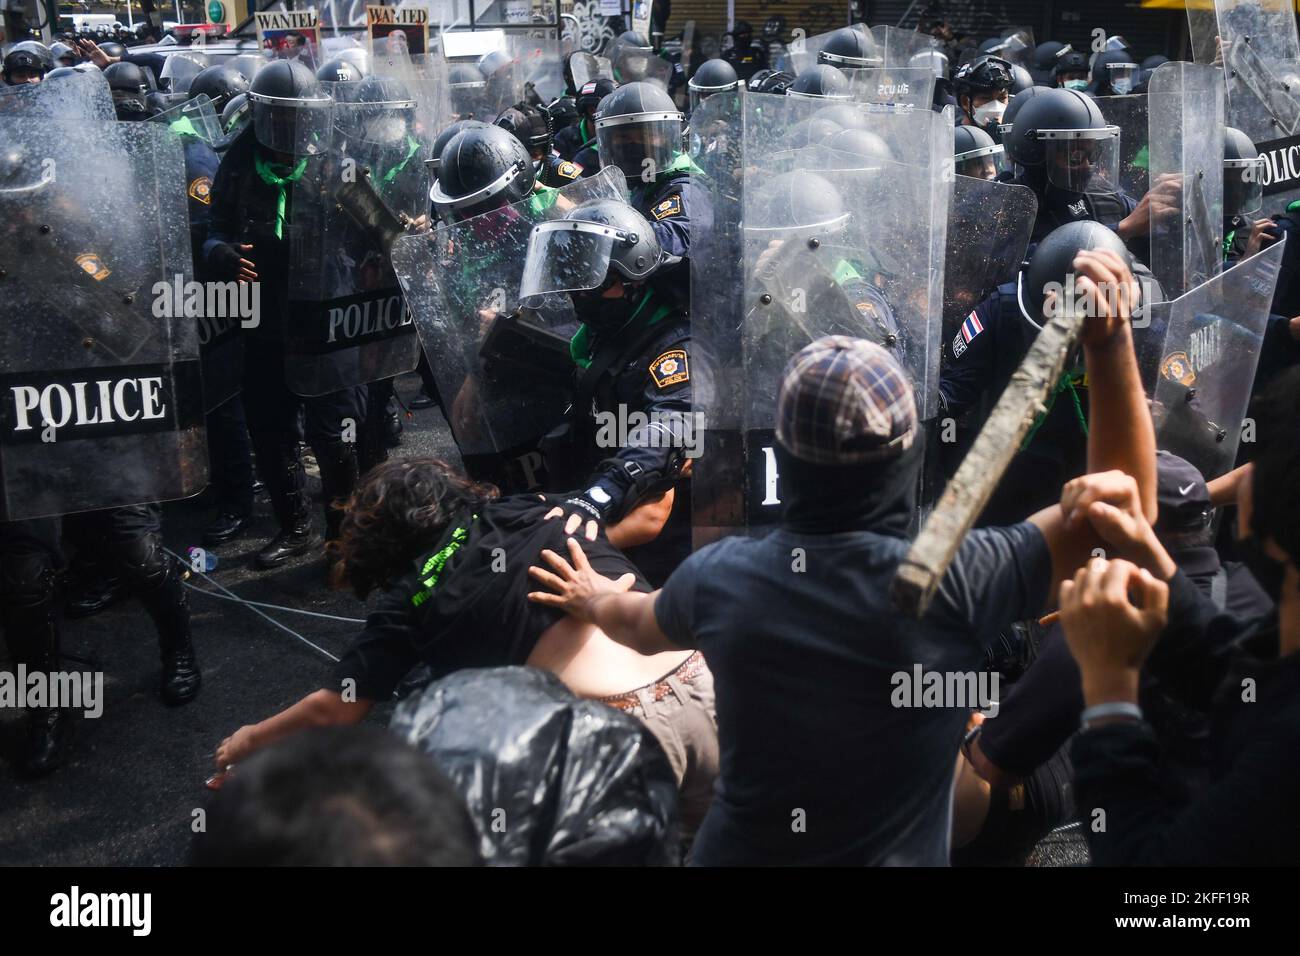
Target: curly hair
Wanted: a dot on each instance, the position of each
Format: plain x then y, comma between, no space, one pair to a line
1275,504
398,511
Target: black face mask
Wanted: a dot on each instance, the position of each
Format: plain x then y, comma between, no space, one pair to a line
604,315
1268,571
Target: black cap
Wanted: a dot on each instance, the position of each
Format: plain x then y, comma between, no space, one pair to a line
1183,497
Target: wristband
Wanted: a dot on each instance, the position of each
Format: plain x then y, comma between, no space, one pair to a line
1117,708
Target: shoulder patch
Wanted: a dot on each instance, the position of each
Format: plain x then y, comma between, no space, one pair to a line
672,206
1176,367
569,170
94,266
201,190
670,368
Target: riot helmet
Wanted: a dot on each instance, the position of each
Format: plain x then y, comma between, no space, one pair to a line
935,61
820,82
594,245
798,205
481,169
290,111
1114,73
1243,175
112,49
563,113
851,49
530,125
27,62
639,130
1013,108
1021,80
1060,135
130,90
446,136
64,55
378,111
713,76
220,84
975,154
340,70
630,57
987,79
1071,71
770,81
1052,266
235,118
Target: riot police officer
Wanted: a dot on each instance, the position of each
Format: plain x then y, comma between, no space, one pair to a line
220,84
634,358
982,88
1071,71
640,131
820,82
130,90
1069,156
746,53
27,62
577,143
849,49
247,241
531,126
713,76
340,70
1114,74
976,155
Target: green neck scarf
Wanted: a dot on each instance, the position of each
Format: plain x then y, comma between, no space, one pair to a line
412,147
266,169
183,127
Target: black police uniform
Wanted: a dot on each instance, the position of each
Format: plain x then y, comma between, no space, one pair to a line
643,367
556,172
245,210
573,139
676,204
985,351
1056,208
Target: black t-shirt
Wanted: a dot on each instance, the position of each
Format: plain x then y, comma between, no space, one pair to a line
465,601
821,761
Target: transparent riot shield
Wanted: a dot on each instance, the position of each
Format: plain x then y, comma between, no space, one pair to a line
1198,360
989,226
1185,107
897,46
803,51
807,242
633,64
504,372
540,68
1129,113
101,403
900,89
194,118
180,69
347,323
587,67
1256,42
77,96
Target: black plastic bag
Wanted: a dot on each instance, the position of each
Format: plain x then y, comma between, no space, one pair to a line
549,779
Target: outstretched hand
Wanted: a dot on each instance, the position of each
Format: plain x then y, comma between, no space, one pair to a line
574,587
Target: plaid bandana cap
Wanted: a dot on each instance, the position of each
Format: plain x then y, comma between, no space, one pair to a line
845,401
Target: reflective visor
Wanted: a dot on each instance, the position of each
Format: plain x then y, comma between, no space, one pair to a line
1082,160
565,256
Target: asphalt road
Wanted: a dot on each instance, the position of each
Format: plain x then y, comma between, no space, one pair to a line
128,795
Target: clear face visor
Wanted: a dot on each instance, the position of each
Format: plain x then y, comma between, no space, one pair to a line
479,201
983,163
1082,160
1122,77
843,95
300,127
698,94
179,71
642,145
383,123
566,256
195,118
758,238
932,60
1243,186
850,62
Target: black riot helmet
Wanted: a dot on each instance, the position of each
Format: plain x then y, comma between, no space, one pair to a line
465,76
340,70
290,110
1072,63
563,112
983,74
1060,137
59,72
596,243
112,49
130,90
1114,73
713,76
975,154
446,136
1015,105
235,118
220,84
26,60
850,49
1021,79
639,130
530,125
592,93
1052,265
1154,61
481,169
1243,175
797,205
1047,53
820,82
770,81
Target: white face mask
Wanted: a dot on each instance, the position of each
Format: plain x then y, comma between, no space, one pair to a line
1122,87
990,113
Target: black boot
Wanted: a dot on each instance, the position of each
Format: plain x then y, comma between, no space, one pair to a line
93,587
227,526
338,478
170,610
32,631
298,538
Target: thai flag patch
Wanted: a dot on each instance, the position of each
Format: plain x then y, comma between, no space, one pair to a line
971,327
